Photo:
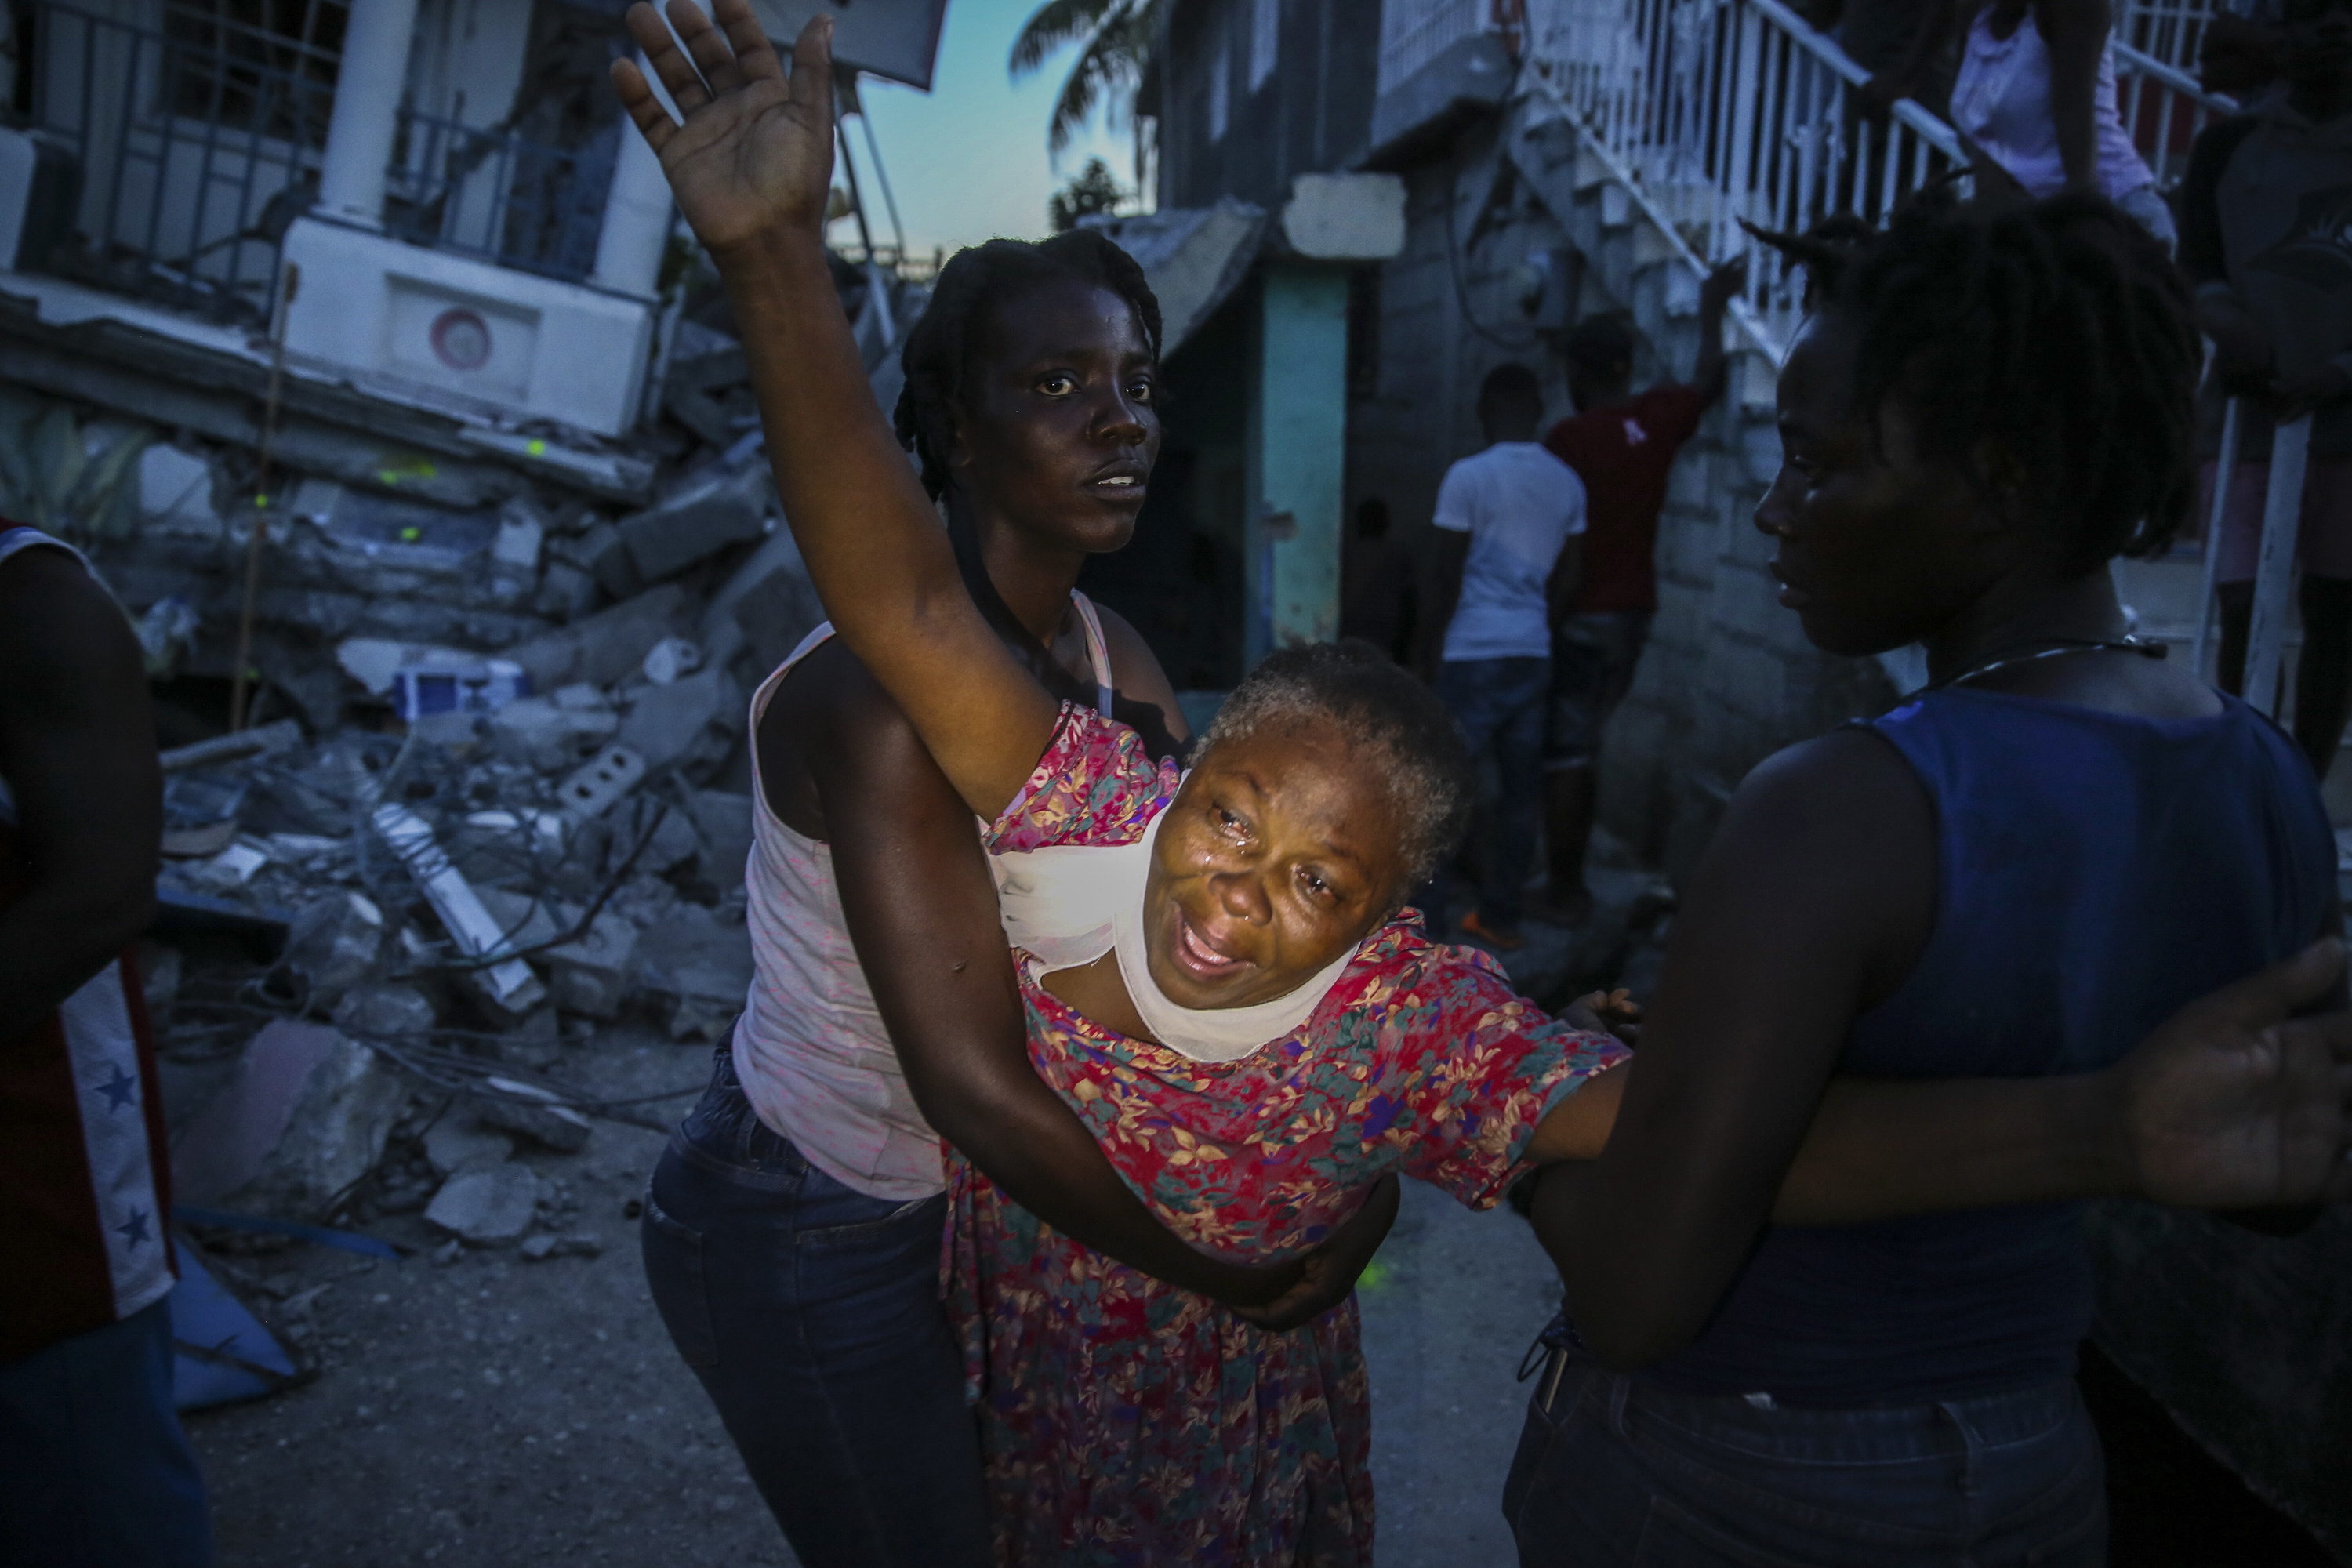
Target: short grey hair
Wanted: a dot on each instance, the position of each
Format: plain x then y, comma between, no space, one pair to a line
1403,734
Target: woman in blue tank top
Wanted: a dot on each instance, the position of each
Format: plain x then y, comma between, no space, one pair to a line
2017,873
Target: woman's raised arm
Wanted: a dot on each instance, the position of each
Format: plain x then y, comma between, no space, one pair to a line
751,167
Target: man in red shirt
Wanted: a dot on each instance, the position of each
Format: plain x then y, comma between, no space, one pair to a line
1623,447
98,1473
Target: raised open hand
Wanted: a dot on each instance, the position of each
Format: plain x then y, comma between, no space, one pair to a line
755,154
2232,1104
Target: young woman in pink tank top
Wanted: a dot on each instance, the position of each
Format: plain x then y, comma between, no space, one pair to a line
793,1230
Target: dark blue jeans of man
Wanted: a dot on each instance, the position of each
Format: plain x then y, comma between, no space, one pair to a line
812,1314
94,1469
1611,1471
1499,705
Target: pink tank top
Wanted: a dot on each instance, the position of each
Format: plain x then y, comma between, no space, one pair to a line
810,1049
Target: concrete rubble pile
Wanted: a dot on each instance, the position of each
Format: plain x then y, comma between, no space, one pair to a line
505,873
493,790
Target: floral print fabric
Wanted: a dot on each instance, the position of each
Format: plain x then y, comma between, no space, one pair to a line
1127,1422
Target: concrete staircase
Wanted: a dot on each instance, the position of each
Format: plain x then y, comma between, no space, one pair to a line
1729,678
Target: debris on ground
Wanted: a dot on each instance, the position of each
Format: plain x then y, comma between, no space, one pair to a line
493,799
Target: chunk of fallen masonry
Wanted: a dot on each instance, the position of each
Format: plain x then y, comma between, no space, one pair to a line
510,985
389,1011
536,1114
488,1207
594,975
306,1115
459,1141
333,942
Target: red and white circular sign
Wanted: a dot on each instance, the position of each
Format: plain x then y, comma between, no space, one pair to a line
461,339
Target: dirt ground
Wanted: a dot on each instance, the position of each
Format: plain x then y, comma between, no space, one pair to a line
492,1410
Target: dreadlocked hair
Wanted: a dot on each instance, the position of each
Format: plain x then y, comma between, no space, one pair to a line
1395,729
2058,330
939,346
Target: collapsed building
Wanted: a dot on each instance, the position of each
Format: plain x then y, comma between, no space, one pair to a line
357,346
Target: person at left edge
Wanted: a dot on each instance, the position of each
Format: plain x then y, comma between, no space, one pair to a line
97,1471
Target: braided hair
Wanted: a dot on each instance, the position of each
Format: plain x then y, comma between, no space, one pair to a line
2059,329
939,349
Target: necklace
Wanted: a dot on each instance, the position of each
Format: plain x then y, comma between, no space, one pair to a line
2056,647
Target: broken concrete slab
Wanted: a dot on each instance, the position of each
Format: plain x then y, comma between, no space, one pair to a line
600,781
461,1141
545,737
175,485
510,986
490,1207
768,600
600,649
724,820
539,1249
712,510
386,1011
306,1116
535,1044
262,740
524,922
566,591
669,660
665,830
687,726
594,975
516,546
334,941
537,1115
701,964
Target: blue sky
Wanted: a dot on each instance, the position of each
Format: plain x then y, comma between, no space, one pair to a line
968,160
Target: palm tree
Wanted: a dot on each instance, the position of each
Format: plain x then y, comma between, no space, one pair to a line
1116,36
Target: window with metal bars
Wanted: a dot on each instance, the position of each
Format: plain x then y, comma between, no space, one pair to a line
266,67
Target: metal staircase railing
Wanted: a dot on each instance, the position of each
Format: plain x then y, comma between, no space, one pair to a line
1711,112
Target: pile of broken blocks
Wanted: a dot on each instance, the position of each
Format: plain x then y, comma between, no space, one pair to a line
494,793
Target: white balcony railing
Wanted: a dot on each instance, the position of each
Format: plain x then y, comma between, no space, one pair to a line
1715,110
2163,108
2165,31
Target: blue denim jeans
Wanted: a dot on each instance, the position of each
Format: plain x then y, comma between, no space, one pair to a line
812,1314
94,1469
1499,706
1611,1471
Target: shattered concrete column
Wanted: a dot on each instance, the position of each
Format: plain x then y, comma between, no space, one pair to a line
368,88
636,215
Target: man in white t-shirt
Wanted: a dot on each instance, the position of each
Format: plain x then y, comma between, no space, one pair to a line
1508,521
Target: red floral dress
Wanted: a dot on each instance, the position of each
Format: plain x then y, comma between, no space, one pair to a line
1124,1421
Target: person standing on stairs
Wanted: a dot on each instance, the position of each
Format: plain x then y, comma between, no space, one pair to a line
2035,102
1509,521
1621,447
2264,214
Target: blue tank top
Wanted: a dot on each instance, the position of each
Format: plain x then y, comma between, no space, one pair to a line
2095,872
